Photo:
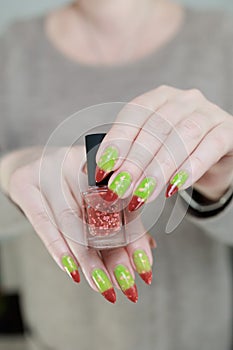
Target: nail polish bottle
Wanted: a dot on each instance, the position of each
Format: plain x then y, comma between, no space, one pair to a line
104,222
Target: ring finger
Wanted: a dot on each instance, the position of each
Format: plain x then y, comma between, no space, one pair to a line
176,149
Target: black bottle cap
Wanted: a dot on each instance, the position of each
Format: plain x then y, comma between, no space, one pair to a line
92,143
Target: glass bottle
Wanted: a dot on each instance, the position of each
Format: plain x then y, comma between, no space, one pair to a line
104,222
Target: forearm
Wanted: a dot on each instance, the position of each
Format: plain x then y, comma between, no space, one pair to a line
12,222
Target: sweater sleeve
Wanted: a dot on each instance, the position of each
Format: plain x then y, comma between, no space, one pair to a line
219,226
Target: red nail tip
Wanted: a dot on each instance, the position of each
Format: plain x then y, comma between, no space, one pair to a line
171,189
75,276
110,196
99,174
135,203
147,277
132,293
110,295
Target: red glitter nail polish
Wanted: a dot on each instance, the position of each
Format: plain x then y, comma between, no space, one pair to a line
110,196
132,293
135,203
103,220
75,276
171,189
147,277
110,295
99,174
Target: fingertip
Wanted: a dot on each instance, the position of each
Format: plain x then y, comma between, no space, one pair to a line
110,295
135,203
100,174
171,190
110,196
75,276
132,293
147,277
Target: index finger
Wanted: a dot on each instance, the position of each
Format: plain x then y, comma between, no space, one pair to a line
117,143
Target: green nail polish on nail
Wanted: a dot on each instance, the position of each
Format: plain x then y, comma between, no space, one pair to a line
69,263
145,188
101,280
180,178
124,277
121,183
108,159
141,261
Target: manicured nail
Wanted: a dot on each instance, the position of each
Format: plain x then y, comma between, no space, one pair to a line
71,267
143,265
177,181
126,282
142,193
106,163
104,285
118,187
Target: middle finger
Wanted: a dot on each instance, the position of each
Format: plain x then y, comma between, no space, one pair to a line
147,144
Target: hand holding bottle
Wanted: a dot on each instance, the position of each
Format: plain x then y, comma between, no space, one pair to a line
51,212
181,139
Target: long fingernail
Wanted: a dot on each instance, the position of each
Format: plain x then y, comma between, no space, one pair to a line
104,285
142,193
118,186
71,268
106,163
126,282
143,265
177,181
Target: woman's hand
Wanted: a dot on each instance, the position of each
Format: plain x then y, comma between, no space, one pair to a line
51,200
179,138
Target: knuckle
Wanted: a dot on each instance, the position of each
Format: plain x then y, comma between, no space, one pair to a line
124,132
193,94
166,162
198,162
143,101
54,244
156,125
40,220
139,157
163,88
219,144
149,142
139,100
166,89
190,129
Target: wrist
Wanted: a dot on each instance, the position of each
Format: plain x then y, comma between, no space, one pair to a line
214,194
200,206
